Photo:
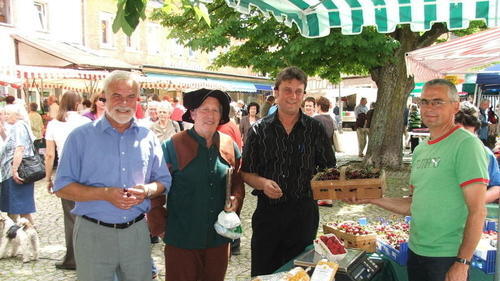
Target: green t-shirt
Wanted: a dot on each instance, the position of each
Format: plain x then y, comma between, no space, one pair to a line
440,168
196,197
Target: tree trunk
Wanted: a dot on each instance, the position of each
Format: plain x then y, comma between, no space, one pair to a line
385,146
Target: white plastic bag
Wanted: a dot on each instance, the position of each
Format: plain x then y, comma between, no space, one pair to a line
228,225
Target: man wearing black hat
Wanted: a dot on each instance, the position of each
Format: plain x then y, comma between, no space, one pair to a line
282,153
199,159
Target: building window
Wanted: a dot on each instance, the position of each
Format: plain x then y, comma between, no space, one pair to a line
133,42
154,36
106,20
40,16
5,11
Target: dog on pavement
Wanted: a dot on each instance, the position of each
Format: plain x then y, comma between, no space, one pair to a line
18,239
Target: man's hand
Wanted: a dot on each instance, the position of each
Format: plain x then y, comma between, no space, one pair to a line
356,201
125,198
233,207
457,272
271,189
50,185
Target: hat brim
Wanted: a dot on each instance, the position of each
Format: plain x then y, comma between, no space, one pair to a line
193,100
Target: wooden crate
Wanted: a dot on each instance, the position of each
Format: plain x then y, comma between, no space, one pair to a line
366,242
343,189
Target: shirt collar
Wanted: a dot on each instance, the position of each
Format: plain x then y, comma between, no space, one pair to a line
104,125
302,118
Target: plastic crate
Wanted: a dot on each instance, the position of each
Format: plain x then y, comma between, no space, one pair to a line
488,265
400,256
490,225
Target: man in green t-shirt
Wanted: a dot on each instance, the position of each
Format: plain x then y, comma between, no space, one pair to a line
448,180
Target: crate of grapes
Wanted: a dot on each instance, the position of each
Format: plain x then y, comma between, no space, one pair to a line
353,235
348,182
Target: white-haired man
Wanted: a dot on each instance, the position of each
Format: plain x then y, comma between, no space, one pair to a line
111,168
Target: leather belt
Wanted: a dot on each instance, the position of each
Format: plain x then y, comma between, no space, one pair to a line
115,225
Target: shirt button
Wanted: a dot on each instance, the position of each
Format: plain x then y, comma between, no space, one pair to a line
124,185
124,218
283,176
123,152
211,172
211,184
123,169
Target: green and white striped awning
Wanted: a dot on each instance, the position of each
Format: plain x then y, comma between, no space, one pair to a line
417,91
314,18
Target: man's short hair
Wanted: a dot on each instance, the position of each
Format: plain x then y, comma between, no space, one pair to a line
310,99
452,90
467,116
290,73
10,100
33,106
270,98
118,75
324,104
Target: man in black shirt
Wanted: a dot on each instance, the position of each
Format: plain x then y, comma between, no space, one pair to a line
283,151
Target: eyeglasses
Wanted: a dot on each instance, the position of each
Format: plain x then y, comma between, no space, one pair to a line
434,102
102,99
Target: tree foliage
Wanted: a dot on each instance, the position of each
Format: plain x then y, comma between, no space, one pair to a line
267,46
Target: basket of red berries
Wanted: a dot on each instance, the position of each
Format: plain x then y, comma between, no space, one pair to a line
353,235
330,247
348,182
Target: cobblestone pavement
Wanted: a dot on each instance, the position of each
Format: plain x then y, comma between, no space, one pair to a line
49,223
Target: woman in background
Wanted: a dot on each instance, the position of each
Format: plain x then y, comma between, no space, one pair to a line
248,120
164,128
57,132
98,106
17,197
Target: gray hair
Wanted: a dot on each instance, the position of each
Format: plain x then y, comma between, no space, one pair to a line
118,75
165,105
452,90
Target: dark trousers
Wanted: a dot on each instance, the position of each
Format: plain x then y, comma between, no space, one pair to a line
422,268
69,223
281,233
413,142
196,265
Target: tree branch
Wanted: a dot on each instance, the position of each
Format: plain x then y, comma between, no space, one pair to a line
430,36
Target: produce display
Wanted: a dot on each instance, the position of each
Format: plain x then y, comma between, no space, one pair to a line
333,244
330,247
351,227
351,173
394,234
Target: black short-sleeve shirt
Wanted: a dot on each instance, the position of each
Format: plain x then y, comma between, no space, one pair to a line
290,160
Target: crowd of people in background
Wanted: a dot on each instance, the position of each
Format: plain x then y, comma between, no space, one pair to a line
178,140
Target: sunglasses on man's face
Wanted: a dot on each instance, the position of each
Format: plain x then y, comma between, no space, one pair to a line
102,99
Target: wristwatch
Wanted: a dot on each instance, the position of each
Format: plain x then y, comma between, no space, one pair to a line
462,260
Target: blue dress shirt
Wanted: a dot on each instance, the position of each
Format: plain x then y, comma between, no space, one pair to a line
493,170
97,155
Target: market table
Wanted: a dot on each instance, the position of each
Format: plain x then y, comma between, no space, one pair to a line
392,271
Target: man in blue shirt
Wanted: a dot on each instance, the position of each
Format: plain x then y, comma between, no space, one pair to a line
111,168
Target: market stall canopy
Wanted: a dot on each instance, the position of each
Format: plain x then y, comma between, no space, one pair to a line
167,81
315,18
49,77
490,76
42,52
457,56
